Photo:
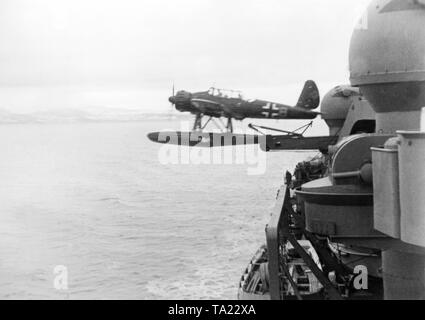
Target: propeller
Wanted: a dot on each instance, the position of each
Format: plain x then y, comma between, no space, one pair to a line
171,99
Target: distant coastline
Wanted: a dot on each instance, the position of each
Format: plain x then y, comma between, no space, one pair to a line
90,114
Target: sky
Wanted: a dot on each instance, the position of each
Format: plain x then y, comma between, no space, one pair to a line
128,53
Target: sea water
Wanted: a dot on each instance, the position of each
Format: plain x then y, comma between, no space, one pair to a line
94,199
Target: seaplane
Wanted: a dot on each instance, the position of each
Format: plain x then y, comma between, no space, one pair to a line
217,104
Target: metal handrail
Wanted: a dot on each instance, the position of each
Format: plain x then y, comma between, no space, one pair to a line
278,229
272,237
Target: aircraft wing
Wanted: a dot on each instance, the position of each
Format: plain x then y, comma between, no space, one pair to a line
208,106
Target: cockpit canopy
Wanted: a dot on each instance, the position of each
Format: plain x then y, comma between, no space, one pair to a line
224,93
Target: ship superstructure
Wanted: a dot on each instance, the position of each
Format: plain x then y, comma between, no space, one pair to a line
360,204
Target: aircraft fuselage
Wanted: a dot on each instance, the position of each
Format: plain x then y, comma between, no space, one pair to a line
236,108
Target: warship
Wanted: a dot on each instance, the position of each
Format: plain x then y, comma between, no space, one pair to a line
350,223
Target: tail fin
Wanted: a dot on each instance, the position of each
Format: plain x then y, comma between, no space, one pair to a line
310,97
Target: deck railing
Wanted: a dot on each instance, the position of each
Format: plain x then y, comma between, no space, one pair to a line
277,235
